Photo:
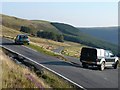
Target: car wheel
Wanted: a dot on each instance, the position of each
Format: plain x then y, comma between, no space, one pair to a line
116,65
102,66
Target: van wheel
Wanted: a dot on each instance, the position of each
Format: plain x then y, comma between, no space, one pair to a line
102,66
116,65
16,43
84,65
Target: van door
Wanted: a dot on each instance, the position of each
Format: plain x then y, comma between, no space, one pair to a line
109,58
88,55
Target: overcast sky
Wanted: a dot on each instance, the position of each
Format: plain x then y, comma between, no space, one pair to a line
80,14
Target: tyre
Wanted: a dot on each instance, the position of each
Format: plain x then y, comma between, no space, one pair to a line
102,66
84,65
116,65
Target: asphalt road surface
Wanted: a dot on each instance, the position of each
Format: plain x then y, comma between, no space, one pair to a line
87,78
58,50
74,60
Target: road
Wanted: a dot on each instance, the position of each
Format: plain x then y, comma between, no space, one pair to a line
73,60
87,78
58,50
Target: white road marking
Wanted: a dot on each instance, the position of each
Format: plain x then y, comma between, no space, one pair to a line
46,68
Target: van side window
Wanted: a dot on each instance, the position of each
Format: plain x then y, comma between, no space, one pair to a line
106,54
111,54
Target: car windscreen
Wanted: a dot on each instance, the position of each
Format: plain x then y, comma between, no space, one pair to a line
88,54
23,37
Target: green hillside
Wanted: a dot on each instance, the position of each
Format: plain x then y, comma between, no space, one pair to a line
69,32
109,34
75,35
67,29
35,25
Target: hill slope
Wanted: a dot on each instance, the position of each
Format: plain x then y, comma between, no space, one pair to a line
109,34
70,33
75,35
16,23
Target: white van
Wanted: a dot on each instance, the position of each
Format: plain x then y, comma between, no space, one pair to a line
98,57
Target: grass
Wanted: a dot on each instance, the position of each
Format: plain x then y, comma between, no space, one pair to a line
73,50
70,48
46,43
14,75
16,23
5,31
0,70
55,81
45,51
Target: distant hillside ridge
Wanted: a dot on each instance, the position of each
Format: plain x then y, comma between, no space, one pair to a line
35,25
109,34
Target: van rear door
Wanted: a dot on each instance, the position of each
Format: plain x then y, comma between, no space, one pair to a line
88,55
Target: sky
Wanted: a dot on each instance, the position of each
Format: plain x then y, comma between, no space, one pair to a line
79,14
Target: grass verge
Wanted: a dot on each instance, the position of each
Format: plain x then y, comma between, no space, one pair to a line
14,75
45,51
73,51
55,81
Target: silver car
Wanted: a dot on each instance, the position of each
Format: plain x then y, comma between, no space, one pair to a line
22,39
